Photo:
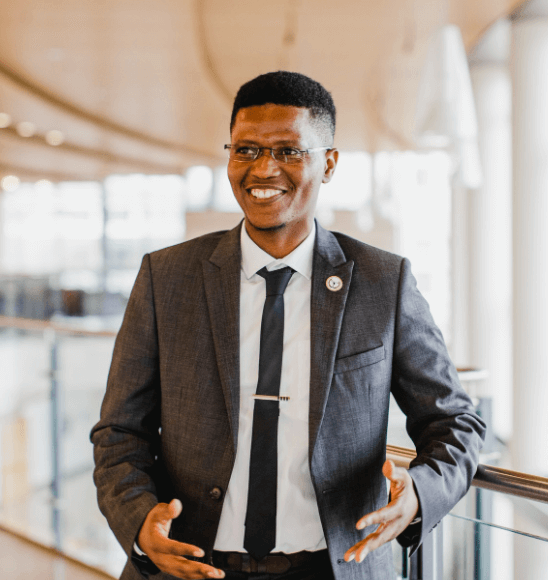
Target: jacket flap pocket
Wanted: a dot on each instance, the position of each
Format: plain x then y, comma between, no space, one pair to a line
362,359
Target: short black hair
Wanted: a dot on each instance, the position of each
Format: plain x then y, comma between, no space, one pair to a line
290,89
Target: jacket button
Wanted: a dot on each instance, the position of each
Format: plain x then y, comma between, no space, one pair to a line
216,493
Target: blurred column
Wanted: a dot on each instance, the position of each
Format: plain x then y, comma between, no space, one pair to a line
529,63
217,199
460,277
490,207
104,238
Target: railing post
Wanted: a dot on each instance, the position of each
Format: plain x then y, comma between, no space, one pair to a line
483,501
427,562
482,536
56,424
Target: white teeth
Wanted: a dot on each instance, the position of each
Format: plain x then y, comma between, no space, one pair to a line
264,193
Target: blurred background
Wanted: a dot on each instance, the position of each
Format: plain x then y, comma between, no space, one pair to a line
113,117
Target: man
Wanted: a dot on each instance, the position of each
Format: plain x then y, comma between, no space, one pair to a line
243,431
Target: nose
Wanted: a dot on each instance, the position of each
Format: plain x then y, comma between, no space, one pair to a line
265,165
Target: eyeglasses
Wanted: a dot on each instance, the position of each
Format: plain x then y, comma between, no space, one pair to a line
245,153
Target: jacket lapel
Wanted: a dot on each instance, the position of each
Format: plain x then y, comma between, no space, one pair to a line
222,287
327,309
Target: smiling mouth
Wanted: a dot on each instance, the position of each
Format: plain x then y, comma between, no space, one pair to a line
264,193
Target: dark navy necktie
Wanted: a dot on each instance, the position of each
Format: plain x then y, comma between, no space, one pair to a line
260,521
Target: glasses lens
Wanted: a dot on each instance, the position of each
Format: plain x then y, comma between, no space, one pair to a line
288,155
244,153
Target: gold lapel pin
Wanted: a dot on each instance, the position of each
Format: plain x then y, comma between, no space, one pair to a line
334,283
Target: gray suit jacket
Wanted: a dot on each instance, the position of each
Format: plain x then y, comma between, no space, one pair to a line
169,420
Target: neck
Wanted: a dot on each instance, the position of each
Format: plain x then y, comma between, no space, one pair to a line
279,242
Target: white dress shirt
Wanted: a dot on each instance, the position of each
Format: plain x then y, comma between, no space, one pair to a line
298,525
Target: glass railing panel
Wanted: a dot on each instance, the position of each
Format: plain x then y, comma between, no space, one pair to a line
83,363
25,431
487,536
510,535
51,392
485,550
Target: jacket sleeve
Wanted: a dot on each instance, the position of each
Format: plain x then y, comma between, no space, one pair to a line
126,438
441,420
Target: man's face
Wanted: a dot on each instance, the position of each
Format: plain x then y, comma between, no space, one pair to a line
275,195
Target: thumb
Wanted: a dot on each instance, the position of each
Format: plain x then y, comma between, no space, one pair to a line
165,512
396,475
388,469
175,508
393,473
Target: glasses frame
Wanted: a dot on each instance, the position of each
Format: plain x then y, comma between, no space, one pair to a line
260,153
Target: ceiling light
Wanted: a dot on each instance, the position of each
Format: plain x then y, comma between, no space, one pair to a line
43,185
26,128
5,120
10,182
55,137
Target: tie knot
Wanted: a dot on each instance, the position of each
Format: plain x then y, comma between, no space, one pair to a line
276,280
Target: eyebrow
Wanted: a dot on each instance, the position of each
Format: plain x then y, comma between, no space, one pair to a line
284,143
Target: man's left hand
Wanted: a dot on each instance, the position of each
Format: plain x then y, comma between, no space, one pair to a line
393,518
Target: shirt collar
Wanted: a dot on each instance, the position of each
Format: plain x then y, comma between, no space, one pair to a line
255,258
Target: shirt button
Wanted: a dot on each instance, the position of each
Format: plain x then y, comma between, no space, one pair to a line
216,493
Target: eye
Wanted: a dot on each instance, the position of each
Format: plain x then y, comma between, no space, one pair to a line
246,150
289,151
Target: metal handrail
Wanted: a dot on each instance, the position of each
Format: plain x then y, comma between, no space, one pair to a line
43,325
489,477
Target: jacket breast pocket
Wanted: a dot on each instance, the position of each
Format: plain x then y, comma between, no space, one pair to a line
357,361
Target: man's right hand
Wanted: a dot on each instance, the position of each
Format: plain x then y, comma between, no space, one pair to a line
167,554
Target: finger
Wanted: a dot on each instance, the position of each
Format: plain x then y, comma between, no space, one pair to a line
383,534
375,540
388,513
174,548
196,570
187,569
353,552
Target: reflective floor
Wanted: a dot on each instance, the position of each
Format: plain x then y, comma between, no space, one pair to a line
23,560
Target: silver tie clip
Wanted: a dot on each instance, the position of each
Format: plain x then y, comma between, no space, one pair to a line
270,398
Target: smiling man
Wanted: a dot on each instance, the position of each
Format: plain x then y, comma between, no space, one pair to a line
243,431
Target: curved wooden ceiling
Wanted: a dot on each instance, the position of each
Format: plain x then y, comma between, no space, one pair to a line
147,85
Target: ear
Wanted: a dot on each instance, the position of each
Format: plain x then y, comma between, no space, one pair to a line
331,160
